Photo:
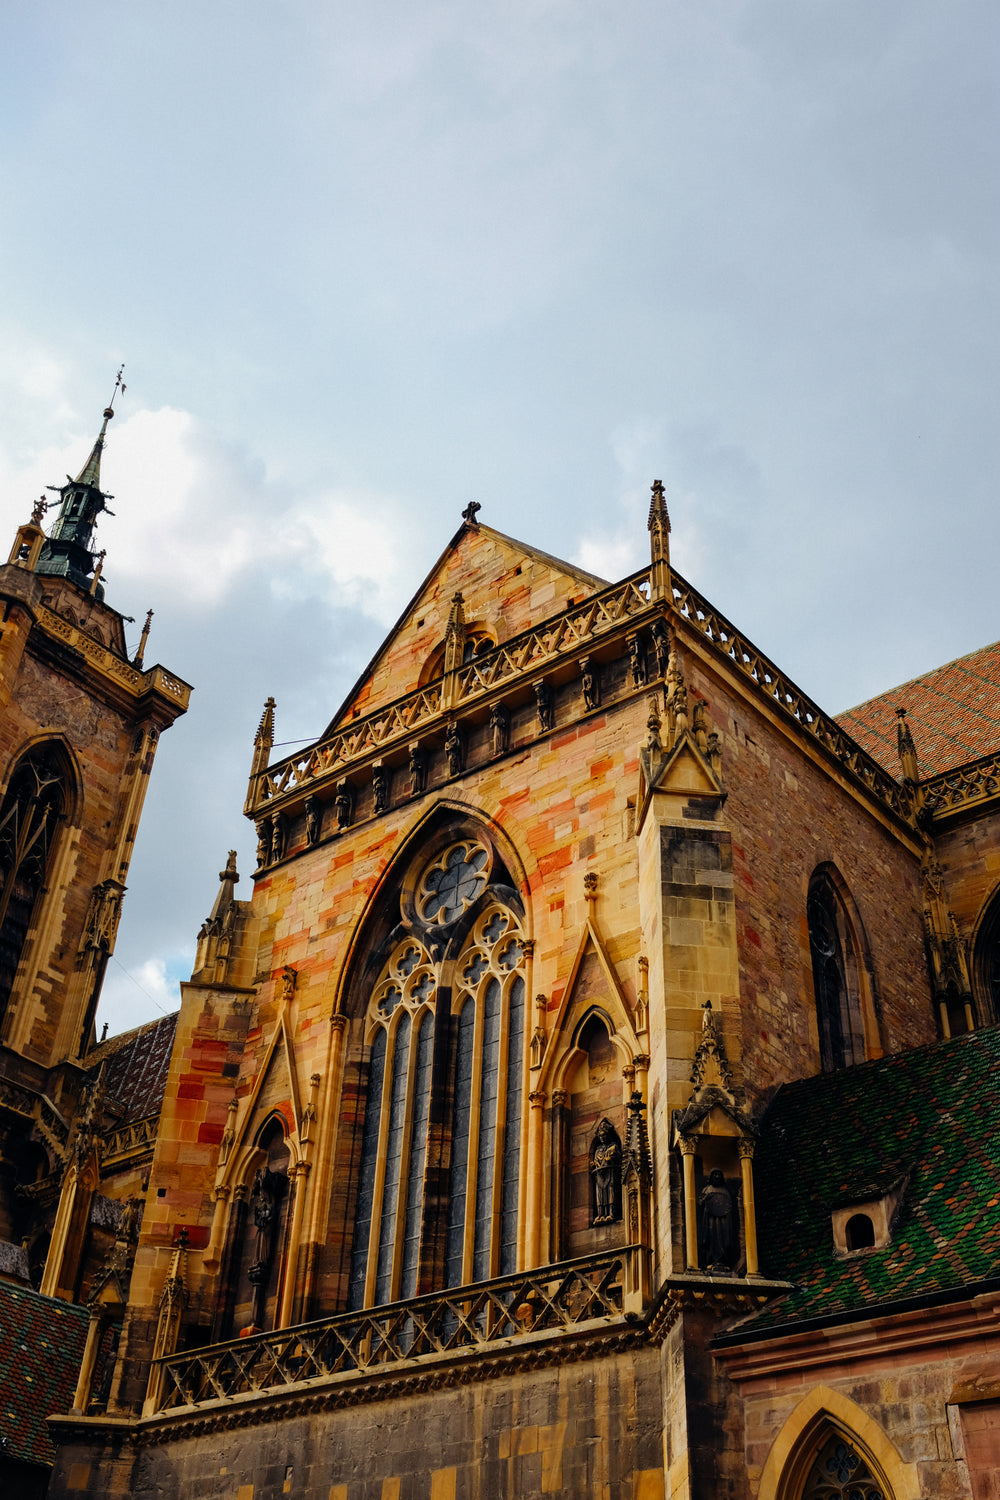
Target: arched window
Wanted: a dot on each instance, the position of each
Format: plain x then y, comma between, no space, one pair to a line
37,798
841,1472
258,1232
859,1232
445,1037
836,976
986,961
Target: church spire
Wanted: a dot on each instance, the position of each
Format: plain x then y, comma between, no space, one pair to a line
68,552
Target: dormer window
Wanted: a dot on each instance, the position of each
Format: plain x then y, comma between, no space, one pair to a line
864,1221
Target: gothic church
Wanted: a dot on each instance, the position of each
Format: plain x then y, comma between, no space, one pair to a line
596,1094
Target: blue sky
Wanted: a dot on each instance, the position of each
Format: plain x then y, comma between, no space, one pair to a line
366,262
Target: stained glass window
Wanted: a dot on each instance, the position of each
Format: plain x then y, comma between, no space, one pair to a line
369,1163
841,1473
453,882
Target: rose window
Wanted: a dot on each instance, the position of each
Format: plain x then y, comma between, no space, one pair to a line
452,883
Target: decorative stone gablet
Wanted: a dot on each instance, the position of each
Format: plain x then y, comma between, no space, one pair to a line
714,1129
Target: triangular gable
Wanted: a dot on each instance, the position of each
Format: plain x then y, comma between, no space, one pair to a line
591,954
506,586
276,1084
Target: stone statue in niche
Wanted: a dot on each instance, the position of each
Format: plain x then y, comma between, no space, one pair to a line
380,788
543,706
500,728
636,660
718,1241
265,1202
606,1172
661,646
454,750
344,803
591,685
313,817
278,830
263,843
418,770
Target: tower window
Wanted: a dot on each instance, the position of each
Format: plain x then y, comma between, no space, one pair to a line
35,801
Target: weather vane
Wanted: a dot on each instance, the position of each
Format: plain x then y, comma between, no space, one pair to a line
119,386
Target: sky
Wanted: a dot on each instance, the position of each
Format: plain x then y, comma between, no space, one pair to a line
366,261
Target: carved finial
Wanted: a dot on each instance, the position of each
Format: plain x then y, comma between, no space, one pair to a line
590,885
454,641
39,508
289,977
470,512
137,659
98,570
659,544
265,729
263,740
905,747
229,873
653,722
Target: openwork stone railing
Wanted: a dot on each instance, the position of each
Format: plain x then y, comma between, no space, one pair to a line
156,680
572,1296
776,686
969,784
597,616
139,1136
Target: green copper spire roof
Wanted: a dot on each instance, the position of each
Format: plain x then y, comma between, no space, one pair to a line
68,551
91,471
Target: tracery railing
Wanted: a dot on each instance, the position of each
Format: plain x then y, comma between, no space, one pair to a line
598,615
775,685
139,1136
570,1296
965,785
156,679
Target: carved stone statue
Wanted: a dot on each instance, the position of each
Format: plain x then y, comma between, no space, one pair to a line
454,750
717,1238
500,729
263,843
278,831
637,660
313,818
380,789
591,685
661,646
543,705
265,1200
606,1171
344,803
418,770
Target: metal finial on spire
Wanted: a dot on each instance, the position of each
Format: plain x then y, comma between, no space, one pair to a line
119,386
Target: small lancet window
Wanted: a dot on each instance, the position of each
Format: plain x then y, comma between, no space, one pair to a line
835,977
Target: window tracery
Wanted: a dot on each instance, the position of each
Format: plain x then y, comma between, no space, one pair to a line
395,1251
452,882
37,797
841,1473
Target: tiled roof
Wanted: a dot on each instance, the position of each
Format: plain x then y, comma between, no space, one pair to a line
931,1115
41,1346
953,713
137,1065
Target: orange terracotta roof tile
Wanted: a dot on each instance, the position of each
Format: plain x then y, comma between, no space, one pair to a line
953,713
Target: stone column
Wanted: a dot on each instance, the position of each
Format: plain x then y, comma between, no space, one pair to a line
749,1208
687,1146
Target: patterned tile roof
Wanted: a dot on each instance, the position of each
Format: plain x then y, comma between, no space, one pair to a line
953,713
931,1115
41,1346
137,1064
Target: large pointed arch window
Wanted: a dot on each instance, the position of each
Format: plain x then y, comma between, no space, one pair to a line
841,1472
36,799
445,1039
